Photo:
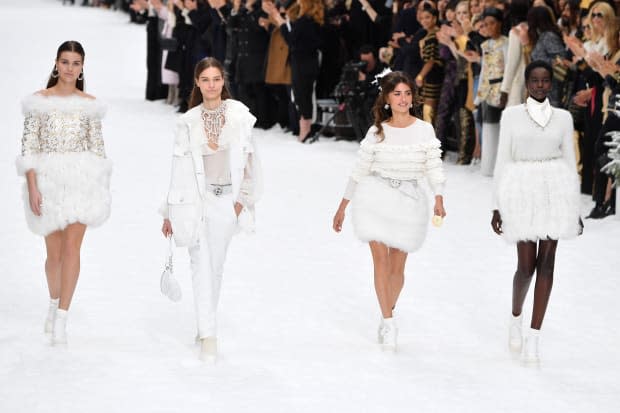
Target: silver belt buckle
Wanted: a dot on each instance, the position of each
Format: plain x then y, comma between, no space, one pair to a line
395,183
217,190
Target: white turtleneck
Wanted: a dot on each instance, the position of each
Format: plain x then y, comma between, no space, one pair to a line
539,111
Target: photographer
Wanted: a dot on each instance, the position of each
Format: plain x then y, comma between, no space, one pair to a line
361,118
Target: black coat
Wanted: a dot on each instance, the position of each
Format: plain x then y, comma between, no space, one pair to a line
304,40
252,44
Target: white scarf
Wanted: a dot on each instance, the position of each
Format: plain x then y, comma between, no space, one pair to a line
540,112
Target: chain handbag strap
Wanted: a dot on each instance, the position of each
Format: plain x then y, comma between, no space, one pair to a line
169,267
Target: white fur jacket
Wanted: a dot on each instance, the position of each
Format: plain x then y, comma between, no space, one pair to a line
187,161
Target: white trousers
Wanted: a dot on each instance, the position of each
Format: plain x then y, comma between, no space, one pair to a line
490,140
207,260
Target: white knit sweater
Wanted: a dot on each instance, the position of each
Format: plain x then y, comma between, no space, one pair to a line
521,139
410,153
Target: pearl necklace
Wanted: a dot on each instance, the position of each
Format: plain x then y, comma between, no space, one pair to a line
213,120
538,125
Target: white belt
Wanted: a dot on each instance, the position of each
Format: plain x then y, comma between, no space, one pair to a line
408,187
218,190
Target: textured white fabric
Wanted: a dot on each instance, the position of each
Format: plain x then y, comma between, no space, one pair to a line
514,78
490,136
540,112
207,260
388,215
411,153
536,186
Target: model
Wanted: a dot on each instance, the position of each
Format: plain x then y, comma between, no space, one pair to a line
214,184
390,209
67,176
536,197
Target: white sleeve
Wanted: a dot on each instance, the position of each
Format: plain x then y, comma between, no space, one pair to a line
365,157
568,146
434,165
512,61
504,154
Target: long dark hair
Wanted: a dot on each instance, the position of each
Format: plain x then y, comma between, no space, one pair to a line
388,83
68,46
540,19
196,97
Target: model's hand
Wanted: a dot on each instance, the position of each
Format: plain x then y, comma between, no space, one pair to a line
36,200
338,220
166,228
438,209
496,222
238,208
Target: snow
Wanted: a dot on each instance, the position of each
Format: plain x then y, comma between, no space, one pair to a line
298,315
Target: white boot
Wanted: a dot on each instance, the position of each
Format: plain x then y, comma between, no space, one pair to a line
59,335
389,334
208,349
379,335
515,334
531,356
51,315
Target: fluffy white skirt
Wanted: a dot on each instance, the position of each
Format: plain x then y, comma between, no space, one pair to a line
74,188
539,200
388,215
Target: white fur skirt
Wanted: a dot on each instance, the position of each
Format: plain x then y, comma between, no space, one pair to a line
538,200
75,187
396,217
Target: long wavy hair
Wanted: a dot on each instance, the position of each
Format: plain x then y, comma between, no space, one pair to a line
313,8
196,96
68,46
609,17
388,83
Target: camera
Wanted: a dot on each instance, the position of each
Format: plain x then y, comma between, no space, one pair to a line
349,85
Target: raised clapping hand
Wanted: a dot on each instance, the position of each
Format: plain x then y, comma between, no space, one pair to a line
496,222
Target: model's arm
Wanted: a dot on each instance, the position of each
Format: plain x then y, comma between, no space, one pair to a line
26,163
504,157
361,169
435,175
95,136
568,146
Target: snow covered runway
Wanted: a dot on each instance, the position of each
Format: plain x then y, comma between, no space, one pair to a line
298,314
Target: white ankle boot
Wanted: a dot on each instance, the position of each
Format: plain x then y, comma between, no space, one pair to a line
531,355
388,334
515,334
59,335
51,315
208,349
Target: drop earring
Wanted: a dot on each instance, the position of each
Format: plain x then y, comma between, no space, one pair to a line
81,76
386,106
55,72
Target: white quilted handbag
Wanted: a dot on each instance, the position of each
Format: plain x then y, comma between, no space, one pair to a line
168,284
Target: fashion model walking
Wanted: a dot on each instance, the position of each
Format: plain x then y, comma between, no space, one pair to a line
214,184
67,176
390,209
536,192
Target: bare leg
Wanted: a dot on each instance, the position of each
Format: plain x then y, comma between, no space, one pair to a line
380,260
397,260
72,238
544,280
53,245
526,252
305,126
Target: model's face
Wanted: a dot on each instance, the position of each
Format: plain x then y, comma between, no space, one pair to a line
427,20
211,83
462,13
401,98
69,66
492,27
539,83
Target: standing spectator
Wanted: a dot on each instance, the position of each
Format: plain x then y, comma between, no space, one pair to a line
489,94
303,36
513,84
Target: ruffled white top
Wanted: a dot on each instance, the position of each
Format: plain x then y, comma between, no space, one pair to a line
409,153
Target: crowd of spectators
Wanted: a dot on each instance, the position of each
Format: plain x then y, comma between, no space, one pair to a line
467,59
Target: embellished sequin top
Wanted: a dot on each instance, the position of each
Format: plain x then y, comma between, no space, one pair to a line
61,125
410,153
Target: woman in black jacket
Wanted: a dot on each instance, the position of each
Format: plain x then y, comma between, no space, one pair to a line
303,36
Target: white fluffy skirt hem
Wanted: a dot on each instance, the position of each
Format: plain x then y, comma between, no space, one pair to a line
539,200
388,215
74,188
